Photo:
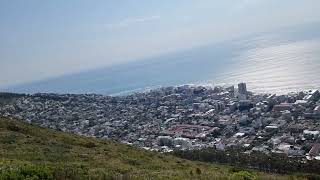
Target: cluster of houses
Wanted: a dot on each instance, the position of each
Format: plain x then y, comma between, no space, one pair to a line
184,117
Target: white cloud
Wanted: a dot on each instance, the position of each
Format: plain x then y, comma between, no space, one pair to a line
132,21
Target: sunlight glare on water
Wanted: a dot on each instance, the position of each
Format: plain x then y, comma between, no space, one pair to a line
280,68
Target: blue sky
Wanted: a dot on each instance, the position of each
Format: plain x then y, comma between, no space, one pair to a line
42,38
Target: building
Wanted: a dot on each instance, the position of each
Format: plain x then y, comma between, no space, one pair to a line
230,89
312,95
242,88
190,131
165,141
244,120
311,134
232,106
219,106
182,143
301,103
272,128
239,135
245,105
314,115
283,107
311,115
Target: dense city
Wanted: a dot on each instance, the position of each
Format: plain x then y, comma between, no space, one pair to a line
184,118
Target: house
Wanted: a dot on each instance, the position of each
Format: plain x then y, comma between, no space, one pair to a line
283,107
311,134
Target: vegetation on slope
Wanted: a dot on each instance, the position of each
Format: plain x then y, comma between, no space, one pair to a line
29,152
271,163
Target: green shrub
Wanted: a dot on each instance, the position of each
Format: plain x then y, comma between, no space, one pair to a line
309,176
198,171
236,169
13,127
26,172
90,145
243,175
9,139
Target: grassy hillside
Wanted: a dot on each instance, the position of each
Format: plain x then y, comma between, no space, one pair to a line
31,152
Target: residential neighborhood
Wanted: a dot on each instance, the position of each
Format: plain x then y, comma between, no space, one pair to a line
184,118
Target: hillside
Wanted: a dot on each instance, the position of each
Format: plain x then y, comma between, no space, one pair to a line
39,153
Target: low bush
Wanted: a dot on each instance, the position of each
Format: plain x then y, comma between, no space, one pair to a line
243,175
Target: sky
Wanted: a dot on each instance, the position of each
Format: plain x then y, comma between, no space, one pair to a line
40,39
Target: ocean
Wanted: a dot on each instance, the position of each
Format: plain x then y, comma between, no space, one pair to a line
279,62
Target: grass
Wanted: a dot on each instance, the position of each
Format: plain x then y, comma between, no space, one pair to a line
30,152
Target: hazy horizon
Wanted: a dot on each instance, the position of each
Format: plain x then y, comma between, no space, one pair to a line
45,40
278,61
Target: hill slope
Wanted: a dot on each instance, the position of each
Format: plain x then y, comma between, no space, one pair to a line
39,153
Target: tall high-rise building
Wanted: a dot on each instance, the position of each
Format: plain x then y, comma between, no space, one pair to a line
242,88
